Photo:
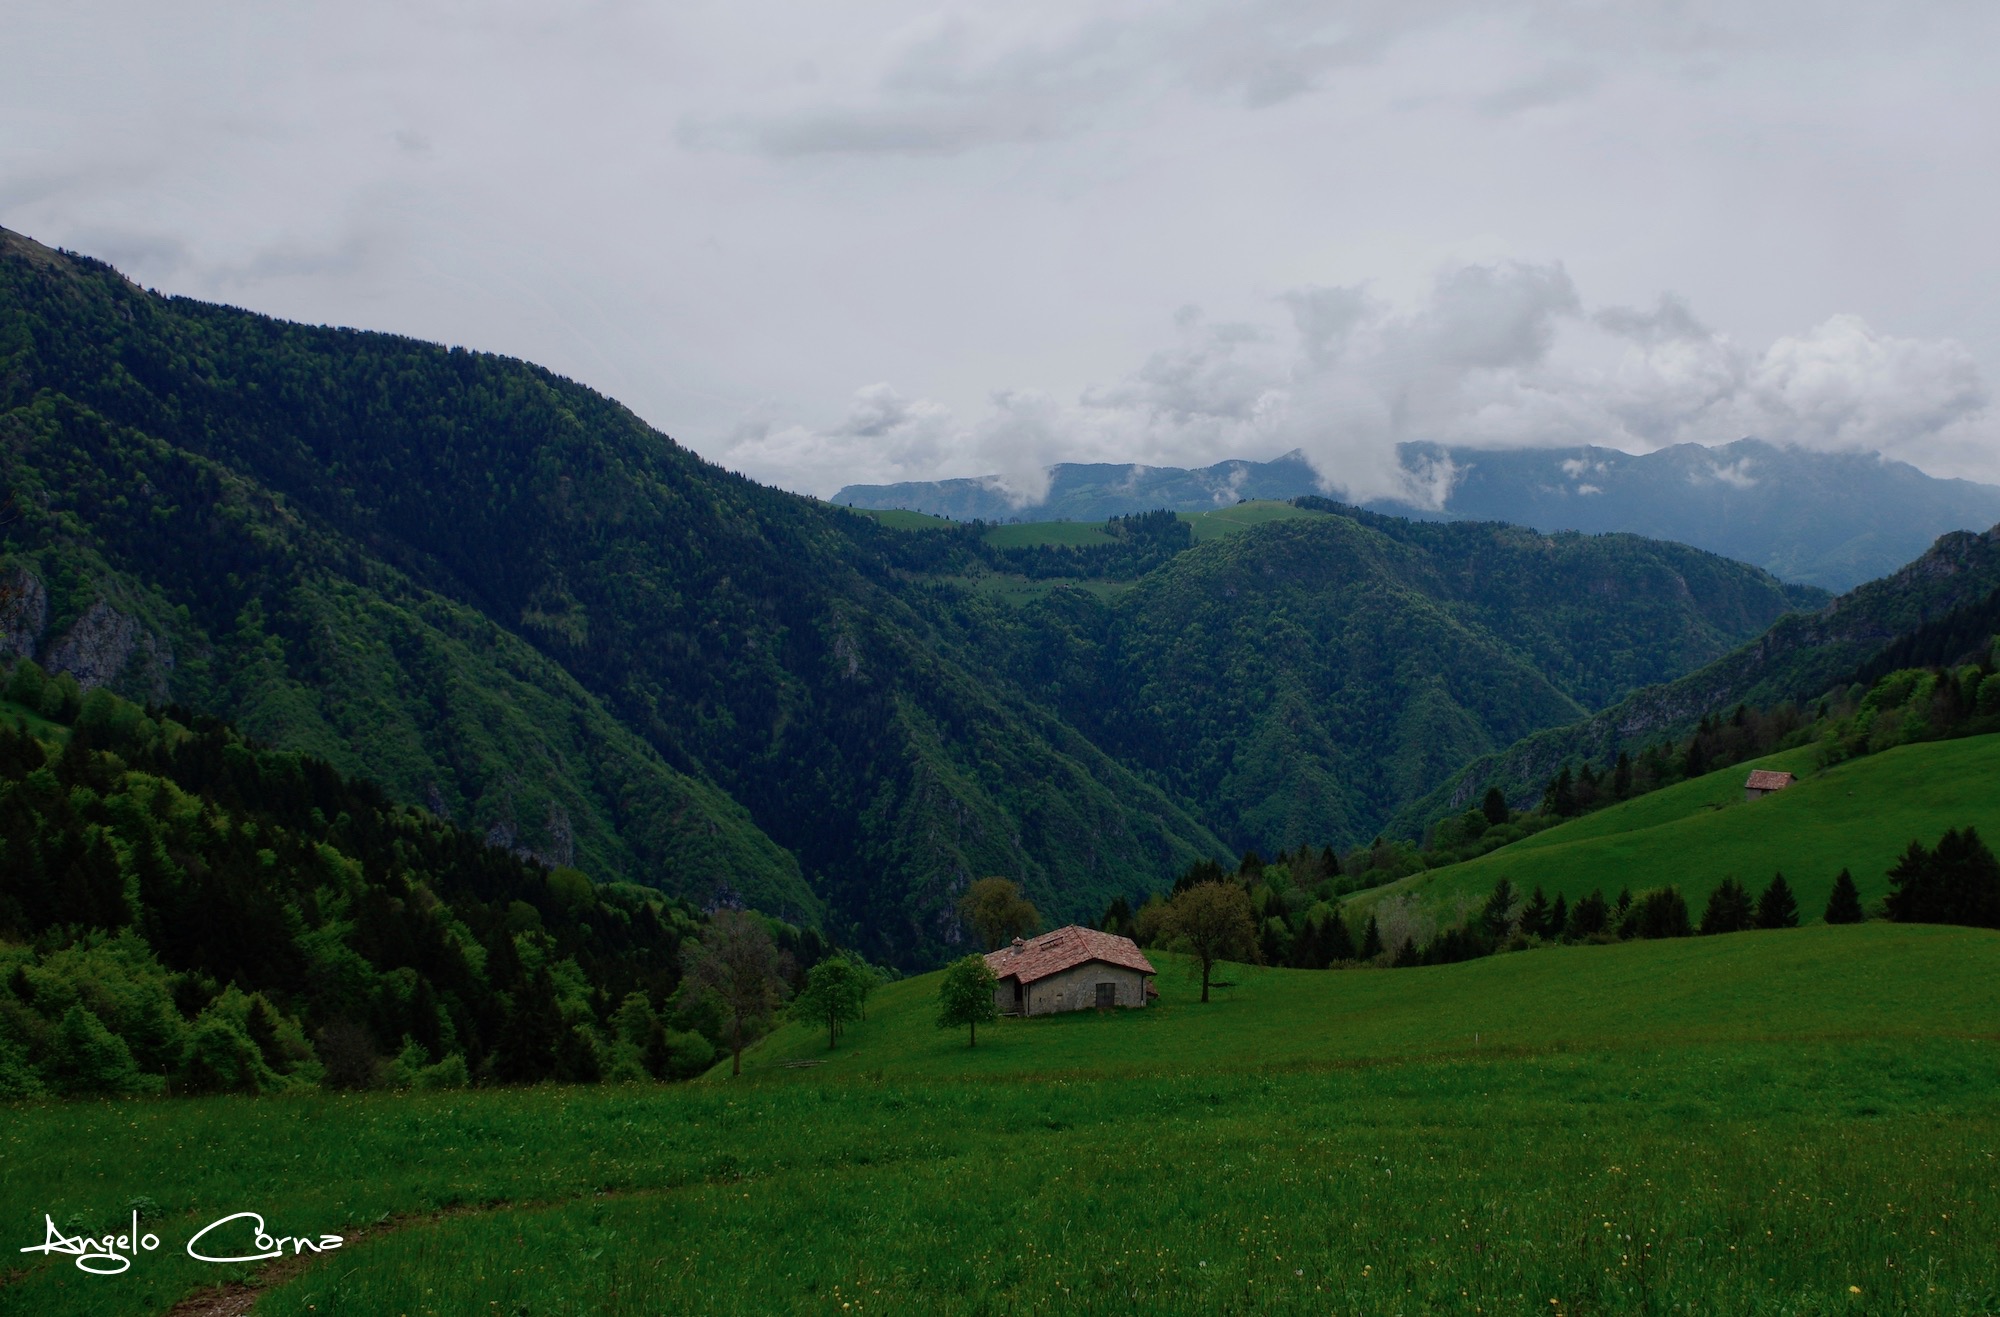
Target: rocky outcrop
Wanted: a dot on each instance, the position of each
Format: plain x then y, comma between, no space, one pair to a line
24,613
105,645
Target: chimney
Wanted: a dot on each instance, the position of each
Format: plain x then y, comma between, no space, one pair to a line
1019,946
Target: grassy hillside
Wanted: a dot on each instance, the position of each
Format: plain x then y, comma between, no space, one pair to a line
1858,815
1733,988
1240,517
1797,660
1788,1123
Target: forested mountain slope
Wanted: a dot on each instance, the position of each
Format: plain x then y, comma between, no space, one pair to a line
491,588
1947,591
1303,678
505,597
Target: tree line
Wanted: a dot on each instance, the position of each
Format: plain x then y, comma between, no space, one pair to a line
183,910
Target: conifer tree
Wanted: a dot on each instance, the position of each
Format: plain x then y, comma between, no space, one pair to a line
1777,907
1494,807
1621,776
1958,883
1498,917
1844,906
1371,940
1406,955
1561,798
1558,921
1662,913
1535,915
1589,916
1729,909
1338,941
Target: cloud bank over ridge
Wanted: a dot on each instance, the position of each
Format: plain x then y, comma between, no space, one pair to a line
1503,354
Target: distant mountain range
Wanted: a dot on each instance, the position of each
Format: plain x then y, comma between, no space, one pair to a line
1827,519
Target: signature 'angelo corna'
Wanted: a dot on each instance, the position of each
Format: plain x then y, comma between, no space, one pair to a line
109,1255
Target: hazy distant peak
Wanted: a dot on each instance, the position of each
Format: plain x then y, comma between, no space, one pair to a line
1826,519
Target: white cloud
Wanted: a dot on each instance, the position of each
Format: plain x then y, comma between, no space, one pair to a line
1495,355
731,216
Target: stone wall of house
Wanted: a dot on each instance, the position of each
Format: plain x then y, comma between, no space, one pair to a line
1076,989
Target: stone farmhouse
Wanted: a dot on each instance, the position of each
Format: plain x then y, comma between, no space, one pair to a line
1763,782
1071,969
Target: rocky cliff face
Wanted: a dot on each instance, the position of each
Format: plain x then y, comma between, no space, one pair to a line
103,647
24,613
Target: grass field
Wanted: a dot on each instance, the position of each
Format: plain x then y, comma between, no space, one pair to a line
1794,1122
903,518
1859,815
1205,525
1241,517
44,730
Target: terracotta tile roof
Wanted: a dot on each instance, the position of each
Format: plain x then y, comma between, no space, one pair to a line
1763,779
1066,948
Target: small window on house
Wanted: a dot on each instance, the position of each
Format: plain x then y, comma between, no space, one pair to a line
1107,995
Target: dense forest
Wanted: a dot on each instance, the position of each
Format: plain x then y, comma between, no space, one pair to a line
503,596
183,910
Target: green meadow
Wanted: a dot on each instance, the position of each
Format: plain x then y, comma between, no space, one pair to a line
1858,815
1241,517
1801,1121
1027,534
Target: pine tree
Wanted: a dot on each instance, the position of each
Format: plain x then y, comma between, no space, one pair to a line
1589,916
1663,913
1696,763
1968,878
1729,909
1407,955
1498,917
1777,907
1338,942
1371,940
1561,799
1621,776
1844,906
1495,807
1558,922
1535,915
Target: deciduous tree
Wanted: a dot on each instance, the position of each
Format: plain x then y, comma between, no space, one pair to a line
738,962
1211,922
997,912
965,996
834,992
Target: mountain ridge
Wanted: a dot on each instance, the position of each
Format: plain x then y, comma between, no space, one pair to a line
1828,519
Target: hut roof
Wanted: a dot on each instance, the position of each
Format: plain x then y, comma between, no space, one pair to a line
1763,779
1066,948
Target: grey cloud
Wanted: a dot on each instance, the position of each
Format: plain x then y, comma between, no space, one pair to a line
888,130
1555,85
950,90
1669,321
1492,315
1325,319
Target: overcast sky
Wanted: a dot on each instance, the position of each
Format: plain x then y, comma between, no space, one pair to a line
876,240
